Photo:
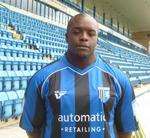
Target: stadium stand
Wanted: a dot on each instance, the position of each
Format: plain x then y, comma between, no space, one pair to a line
27,44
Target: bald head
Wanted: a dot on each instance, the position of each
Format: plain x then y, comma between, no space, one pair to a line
77,18
81,36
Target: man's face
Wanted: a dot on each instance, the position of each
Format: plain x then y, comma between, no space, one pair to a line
82,37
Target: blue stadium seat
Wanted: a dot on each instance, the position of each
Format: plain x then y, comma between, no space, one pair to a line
19,44
17,68
35,55
25,56
3,73
1,84
2,42
20,55
38,66
23,82
7,83
8,43
19,102
33,66
6,34
7,65
17,107
30,55
7,109
1,65
14,66
12,97
7,104
14,54
9,55
11,73
2,52
135,81
144,79
15,83
20,93
21,66
1,110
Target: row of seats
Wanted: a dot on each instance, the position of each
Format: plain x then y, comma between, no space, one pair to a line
124,53
19,65
136,66
21,19
13,83
5,34
11,104
18,62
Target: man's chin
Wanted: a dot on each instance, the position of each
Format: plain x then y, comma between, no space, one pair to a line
83,55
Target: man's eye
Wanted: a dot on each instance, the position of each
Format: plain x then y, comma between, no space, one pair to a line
76,32
92,34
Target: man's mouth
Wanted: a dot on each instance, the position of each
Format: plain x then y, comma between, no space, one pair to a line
83,47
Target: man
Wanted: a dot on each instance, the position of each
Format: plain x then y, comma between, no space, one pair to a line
79,96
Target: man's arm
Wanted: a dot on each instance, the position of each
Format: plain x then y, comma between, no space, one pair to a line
33,115
125,120
124,135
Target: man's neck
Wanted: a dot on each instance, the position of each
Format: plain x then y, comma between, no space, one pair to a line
80,62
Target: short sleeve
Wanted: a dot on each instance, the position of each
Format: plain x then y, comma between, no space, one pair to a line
124,116
33,114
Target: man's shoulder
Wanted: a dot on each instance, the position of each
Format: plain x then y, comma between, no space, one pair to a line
44,72
115,72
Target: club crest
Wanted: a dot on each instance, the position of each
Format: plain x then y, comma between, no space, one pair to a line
104,93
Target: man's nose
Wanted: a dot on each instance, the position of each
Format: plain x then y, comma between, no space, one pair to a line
84,36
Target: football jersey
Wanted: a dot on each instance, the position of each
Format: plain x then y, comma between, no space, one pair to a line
68,102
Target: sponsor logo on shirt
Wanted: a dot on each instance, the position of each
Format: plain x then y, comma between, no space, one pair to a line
59,94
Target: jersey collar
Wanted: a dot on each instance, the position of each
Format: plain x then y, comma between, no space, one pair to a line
78,70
